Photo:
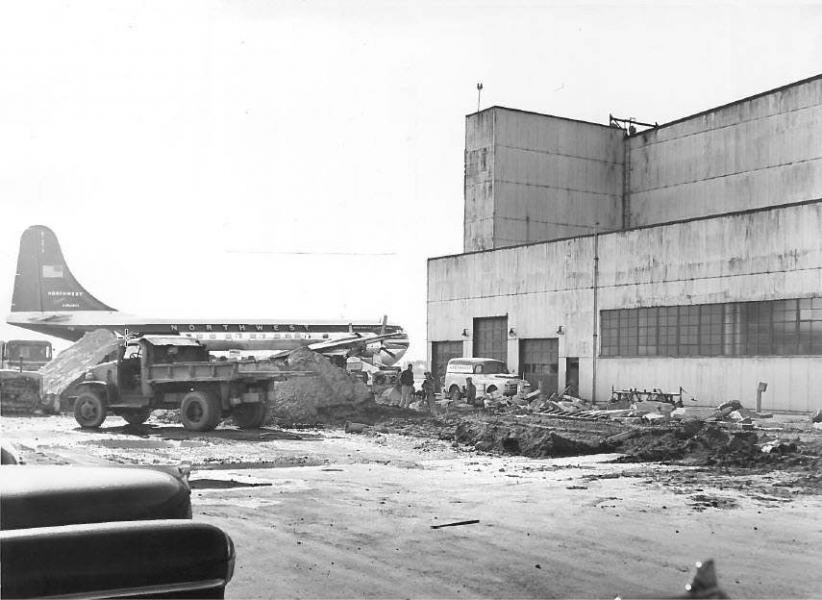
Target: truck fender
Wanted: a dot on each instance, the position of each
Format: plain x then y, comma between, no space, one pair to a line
97,387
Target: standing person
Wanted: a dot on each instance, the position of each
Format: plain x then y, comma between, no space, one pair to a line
407,383
470,391
428,390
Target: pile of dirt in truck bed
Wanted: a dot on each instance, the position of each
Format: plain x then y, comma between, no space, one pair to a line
74,361
330,394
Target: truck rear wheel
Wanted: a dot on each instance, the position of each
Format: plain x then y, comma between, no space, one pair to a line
137,416
89,410
250,416
200,411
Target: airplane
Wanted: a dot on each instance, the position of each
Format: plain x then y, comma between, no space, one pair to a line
49,300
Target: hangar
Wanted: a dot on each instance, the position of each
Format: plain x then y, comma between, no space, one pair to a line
687,255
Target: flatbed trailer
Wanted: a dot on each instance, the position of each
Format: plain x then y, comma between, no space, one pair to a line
153,372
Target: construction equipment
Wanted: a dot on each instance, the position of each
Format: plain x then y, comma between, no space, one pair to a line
20,382
176,371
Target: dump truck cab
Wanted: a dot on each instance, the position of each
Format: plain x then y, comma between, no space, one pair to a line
20,381
24,355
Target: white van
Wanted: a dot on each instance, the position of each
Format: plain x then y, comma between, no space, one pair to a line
487,374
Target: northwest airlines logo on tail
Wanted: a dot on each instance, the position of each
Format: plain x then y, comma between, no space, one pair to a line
43,281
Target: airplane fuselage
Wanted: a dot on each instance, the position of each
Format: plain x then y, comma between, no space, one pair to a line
262,335
49,300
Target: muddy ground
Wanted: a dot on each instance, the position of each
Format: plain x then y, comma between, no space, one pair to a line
565,507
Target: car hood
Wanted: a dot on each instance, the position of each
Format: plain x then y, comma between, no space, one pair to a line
46,496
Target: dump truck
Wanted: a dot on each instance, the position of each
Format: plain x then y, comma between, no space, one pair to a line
20,382
154,371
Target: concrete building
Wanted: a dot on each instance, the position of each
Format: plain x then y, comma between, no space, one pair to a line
705,271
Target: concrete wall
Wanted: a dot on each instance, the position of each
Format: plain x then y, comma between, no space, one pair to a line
764,151
478,229
532,177
761,255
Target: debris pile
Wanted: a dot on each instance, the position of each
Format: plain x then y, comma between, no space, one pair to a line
316,398
691,442
531,440
70,365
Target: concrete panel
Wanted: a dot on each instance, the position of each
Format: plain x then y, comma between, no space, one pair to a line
479,184
792,381
542,170
556,135
557,171
755,153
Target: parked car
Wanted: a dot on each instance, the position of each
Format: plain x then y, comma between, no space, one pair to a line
487,374
89,532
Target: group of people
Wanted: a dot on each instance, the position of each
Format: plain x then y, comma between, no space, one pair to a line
407,388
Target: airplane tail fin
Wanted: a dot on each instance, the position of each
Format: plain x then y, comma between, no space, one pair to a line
43,281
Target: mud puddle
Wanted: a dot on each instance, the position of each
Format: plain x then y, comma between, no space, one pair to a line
225,480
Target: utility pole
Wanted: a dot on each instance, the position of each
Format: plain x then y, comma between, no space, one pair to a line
479,95
596,316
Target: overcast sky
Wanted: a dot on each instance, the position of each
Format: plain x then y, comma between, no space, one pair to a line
303,159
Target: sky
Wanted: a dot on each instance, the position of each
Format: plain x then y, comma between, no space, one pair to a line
303,159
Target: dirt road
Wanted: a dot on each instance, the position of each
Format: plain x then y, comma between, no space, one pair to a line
327,514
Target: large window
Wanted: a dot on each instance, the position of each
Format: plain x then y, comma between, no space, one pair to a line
778,327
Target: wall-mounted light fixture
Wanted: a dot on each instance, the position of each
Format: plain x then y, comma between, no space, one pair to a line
560,330
512,332
466,333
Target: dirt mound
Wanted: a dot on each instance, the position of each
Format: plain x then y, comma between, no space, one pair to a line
696,443
330,394
535,441
74,361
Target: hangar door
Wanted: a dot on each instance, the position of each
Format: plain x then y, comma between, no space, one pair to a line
539,363
491,338
441,353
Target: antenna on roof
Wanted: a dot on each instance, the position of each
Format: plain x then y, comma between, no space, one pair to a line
479,95
630,122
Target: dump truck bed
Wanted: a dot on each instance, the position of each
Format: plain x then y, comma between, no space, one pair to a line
216,372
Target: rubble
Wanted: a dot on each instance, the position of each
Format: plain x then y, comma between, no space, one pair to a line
531,440
305,400
72,363
645,407
779,447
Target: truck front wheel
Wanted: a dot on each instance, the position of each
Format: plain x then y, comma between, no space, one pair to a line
200,411
250,416
89,410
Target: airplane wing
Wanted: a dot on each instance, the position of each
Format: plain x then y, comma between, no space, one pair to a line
350,343
348,346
